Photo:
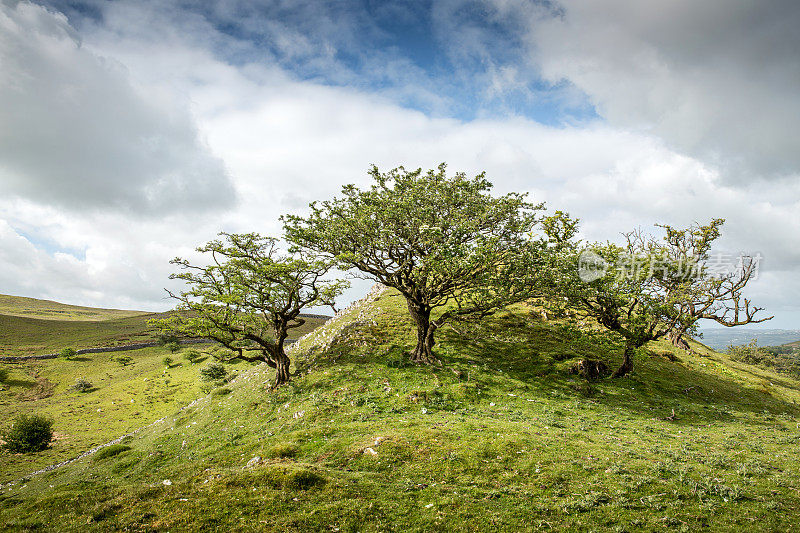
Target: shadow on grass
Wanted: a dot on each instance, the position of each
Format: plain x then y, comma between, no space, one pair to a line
14,382
539,354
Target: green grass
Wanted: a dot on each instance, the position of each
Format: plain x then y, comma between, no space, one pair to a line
34,336
33,308
502,437
124,398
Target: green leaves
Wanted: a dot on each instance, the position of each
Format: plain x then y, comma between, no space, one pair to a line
440,240
249,294
649,287
428,235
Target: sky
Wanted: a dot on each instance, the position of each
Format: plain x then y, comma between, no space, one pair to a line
132,131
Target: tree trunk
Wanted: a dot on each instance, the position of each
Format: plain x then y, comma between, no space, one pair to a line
281,368
627,362
423,352
677,340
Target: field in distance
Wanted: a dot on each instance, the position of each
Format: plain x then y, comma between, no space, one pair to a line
36,327
21,306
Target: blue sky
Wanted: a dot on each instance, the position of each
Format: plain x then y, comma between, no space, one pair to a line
454,53
134,130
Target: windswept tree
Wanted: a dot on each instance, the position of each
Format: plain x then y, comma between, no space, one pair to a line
716,291
249,297
449,246
652,287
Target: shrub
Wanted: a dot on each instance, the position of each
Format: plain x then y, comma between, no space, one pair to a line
67,353
29,434
173,346
167,361
213,372
222,354
166,338
124,360
3,374
192,356
286,478
777,358
110,451
749,353
82,385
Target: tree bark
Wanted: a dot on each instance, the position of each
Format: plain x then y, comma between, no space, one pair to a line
282,363
627,362
677,340
423,352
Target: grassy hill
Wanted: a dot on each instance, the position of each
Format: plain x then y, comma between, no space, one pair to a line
502,437
126,397
35,327
34,336
33,308
32,327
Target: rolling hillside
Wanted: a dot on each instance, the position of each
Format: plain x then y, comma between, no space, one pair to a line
501,437
125,396
34,327
21,306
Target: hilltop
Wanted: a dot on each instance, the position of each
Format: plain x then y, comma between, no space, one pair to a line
502,436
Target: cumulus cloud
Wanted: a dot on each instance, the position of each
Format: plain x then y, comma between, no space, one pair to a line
77,132
716,80
286,140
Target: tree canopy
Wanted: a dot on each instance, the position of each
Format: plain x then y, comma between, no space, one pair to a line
650,287
249,296
443,241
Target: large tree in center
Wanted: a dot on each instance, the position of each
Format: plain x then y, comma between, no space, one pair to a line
449,246
249,296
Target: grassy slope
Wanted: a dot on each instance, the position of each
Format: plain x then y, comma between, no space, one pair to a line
34,308
31,327
511,442
33,336
125,398
86,420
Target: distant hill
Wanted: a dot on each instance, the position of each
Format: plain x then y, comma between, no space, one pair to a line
33,327
33,308
720,338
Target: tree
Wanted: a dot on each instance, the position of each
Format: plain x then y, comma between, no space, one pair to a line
29,434
444,242
249,297
67,353
717,293
648,288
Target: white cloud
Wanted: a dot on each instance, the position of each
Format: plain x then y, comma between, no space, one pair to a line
717,80
77,132
286,142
